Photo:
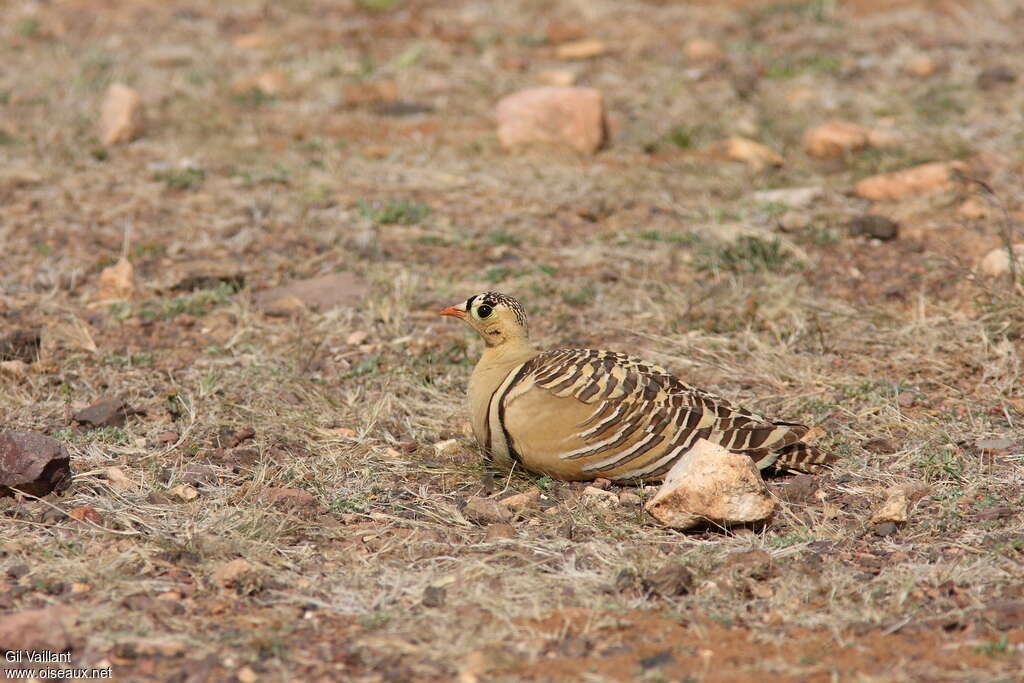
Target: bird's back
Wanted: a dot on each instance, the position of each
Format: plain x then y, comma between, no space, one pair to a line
583,414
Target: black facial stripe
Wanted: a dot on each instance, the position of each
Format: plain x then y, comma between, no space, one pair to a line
469,303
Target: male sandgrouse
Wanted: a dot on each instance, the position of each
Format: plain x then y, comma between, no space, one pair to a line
580,414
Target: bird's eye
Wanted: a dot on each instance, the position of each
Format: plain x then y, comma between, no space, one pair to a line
483,311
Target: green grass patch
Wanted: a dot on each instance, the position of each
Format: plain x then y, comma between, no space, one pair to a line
182,178
748,254
401,211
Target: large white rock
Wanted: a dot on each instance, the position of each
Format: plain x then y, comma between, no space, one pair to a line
711,484
997,261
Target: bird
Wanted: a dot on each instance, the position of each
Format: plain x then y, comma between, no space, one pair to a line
584,414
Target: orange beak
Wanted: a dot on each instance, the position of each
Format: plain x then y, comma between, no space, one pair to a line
453,312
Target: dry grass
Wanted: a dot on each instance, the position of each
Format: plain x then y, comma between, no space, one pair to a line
902,358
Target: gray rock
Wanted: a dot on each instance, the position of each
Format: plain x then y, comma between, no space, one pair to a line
107,412
873,225
32,463
319,293
486,511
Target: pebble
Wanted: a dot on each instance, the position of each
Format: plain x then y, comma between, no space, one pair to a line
587,48
123,116
572,116
835,139
927,178
486,511
873,225
754,154
996,263
703,50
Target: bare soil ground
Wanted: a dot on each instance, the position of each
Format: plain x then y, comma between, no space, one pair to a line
370,148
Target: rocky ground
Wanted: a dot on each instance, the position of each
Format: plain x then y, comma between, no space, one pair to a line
226,233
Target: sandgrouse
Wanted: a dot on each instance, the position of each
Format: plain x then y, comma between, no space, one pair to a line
580,414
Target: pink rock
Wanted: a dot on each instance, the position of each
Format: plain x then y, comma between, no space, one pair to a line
711,485
572,116
38,629
123,116
32,463
933,177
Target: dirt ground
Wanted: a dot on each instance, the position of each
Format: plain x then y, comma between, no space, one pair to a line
288,140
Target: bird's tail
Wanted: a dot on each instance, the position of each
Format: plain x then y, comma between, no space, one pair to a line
802,457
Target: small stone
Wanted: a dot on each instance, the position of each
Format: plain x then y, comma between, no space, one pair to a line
370,93
434,596
756,563
356,338
32,463
886,529
117,282
793,197
285,307
587,48
37,629
564,32
669,581
921,66
525,499
445,447
234,572
873,225
630,499
801,489
272,82
323,293
184,492
486,511
117,478
996,263
711,485
916,490
133,648
123,117
254,41
499,531
753,154
87,514
600,495
160,498
894,509
974,209
927,178
794,221
288,498
601,483
106,412
14,368
835,139
571,116
703,50
167,437
246,675
995,76
557,77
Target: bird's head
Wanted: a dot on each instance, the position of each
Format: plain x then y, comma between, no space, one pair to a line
497,318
